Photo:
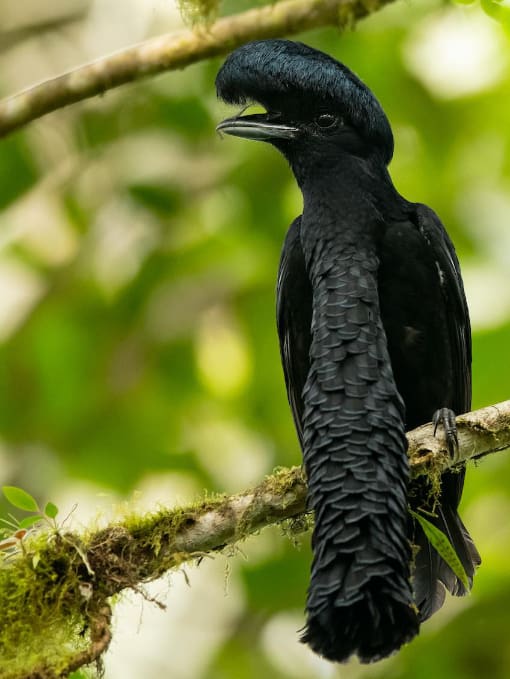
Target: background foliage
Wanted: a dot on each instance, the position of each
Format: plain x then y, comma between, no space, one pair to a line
138,351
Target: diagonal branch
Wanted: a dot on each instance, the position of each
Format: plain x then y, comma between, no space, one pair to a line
177,50
56,587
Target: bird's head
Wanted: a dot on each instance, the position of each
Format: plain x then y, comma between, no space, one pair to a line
314,104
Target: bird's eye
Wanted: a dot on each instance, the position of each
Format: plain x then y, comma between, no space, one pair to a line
326,120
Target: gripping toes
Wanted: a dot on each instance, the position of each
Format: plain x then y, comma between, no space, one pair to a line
446,418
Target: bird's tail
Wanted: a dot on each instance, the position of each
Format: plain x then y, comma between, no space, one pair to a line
432,576
360,599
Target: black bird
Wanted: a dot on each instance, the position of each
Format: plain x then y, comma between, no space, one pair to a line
374,337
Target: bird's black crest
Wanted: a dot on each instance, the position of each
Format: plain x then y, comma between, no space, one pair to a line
276,72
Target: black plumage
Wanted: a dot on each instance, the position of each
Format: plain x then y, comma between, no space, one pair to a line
374,336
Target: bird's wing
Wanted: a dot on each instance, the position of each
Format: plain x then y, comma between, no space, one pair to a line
429,567
459,330
294,316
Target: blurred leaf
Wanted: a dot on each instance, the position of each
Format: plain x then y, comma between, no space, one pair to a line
20,498
496,10
443,547
161,199
18,171
30,521
51,510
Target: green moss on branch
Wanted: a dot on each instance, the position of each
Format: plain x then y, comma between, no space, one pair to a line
55,593
55,606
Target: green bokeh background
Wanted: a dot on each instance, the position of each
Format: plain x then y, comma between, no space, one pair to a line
138,351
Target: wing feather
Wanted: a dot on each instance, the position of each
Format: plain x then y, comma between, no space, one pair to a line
459,329
432,574
294,317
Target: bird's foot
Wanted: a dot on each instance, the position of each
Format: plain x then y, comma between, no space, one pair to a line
446,418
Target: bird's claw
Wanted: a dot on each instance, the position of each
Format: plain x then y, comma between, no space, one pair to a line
446,418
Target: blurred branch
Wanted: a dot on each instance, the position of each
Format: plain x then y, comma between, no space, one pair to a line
62,583
173,51
12,37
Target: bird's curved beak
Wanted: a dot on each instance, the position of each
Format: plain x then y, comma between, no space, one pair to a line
258,126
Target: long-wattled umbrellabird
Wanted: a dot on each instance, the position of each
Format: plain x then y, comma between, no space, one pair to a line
374,338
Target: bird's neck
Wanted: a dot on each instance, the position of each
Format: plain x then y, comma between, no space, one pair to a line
347,185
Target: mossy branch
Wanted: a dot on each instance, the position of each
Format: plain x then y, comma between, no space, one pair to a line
54,592
177,50
480,433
